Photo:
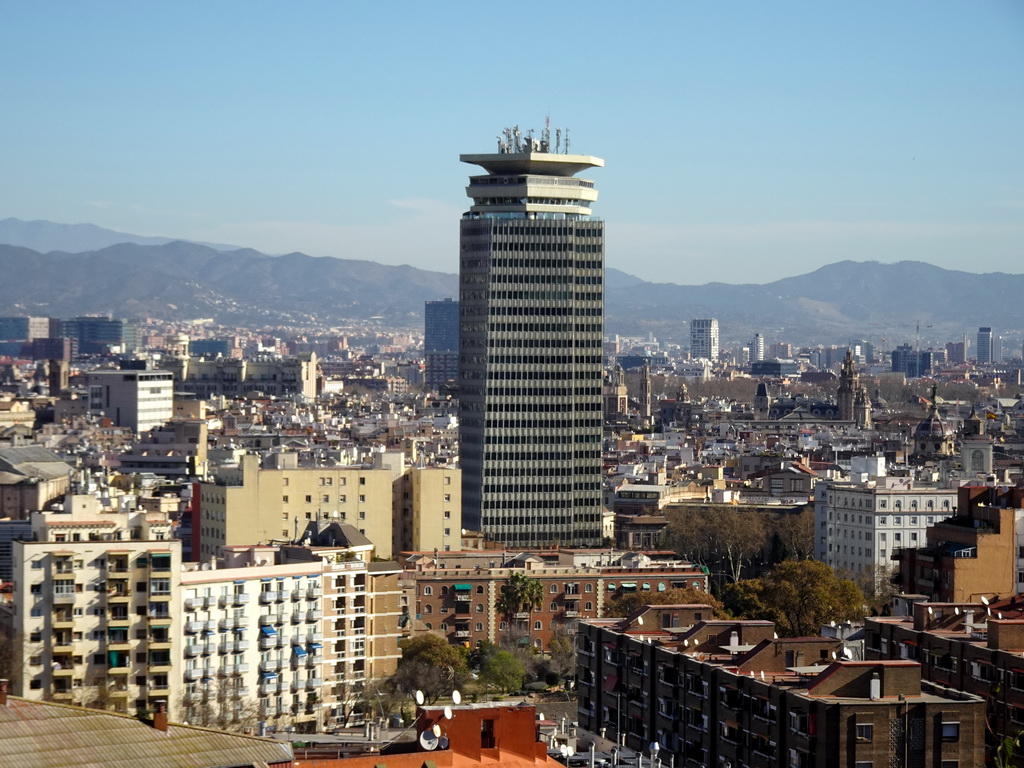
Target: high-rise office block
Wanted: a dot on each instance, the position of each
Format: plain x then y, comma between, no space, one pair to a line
704,339
441,342
531,287
757,348
984,353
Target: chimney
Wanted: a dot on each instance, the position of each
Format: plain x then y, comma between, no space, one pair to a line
876,687
160,716
3,693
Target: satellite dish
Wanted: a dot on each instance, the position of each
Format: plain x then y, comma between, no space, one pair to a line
834,657
957,610
419,697
984,600
569,751
775,635
428,741
762,675
443,742
999,615
640,620
847,653
436,730
564,750
832,623
456,698
447,713
930,611
686,643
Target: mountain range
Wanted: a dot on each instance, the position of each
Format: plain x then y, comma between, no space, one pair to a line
178,280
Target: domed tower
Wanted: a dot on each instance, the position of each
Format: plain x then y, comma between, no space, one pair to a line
849,382
932,438
974,426
976,448
762,402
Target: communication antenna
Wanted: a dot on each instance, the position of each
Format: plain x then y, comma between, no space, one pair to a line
428,741
984,600
447,713
834,656
456,698
567,141
419,697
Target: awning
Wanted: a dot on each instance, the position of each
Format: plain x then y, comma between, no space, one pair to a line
316,646
268,631
909,642
610,683
269,675
463,587
300,651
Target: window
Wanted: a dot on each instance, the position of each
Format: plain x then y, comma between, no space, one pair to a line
951,731
588,588
284,499
444,627
865,732
428,590
479,607
309,499
428,608
538,625
479,626
479,589
589,606
553,589
362,498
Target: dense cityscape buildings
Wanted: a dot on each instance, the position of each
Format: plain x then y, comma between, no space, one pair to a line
245,526
531,287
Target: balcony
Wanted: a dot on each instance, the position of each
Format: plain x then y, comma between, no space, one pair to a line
297,594
64,621
269,619
314,615
462,633
241,645
158,689
571,612
63,598
195,603
122,670
314,637
194,627
521,615
268,643
314,683
296,617
463,597
239,669
266,598
270,688
193,674
237,599
193,649
119,595
312,593
270,665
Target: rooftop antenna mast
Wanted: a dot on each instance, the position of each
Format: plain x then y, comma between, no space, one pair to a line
567,141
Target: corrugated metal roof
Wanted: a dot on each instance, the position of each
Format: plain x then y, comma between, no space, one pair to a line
43,735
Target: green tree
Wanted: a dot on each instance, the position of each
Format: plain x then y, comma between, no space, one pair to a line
520,594
799,596
562,650
503,672
630,602
430,664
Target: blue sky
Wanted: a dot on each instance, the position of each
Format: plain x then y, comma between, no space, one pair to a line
744,141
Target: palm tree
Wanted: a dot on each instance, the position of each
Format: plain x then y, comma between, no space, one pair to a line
520,594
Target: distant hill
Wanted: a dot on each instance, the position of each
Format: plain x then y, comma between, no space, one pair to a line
47,236
181,280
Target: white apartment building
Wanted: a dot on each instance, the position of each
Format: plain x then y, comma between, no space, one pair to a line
859,523
95,606
253,641
139,400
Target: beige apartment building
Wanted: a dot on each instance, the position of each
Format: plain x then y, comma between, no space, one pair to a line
95,607
395,507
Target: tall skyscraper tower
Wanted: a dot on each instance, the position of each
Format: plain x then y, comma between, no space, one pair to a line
531,285
984,354
757,348
441,342
704,339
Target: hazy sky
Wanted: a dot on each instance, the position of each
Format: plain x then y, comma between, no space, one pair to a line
743,141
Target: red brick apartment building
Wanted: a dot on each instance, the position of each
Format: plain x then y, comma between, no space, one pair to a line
457,593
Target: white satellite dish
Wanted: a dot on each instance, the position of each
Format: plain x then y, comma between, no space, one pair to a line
984,600
775,635
999,615
443,742
834,657
569,751
456,698
686,643
640,620
447,713
436,730
930,611
762,675
847,653
563,750
428,741
419,697
957,610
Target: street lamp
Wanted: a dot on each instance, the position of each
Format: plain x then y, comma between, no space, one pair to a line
655,748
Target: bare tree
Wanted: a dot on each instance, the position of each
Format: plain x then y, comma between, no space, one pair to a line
721,537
